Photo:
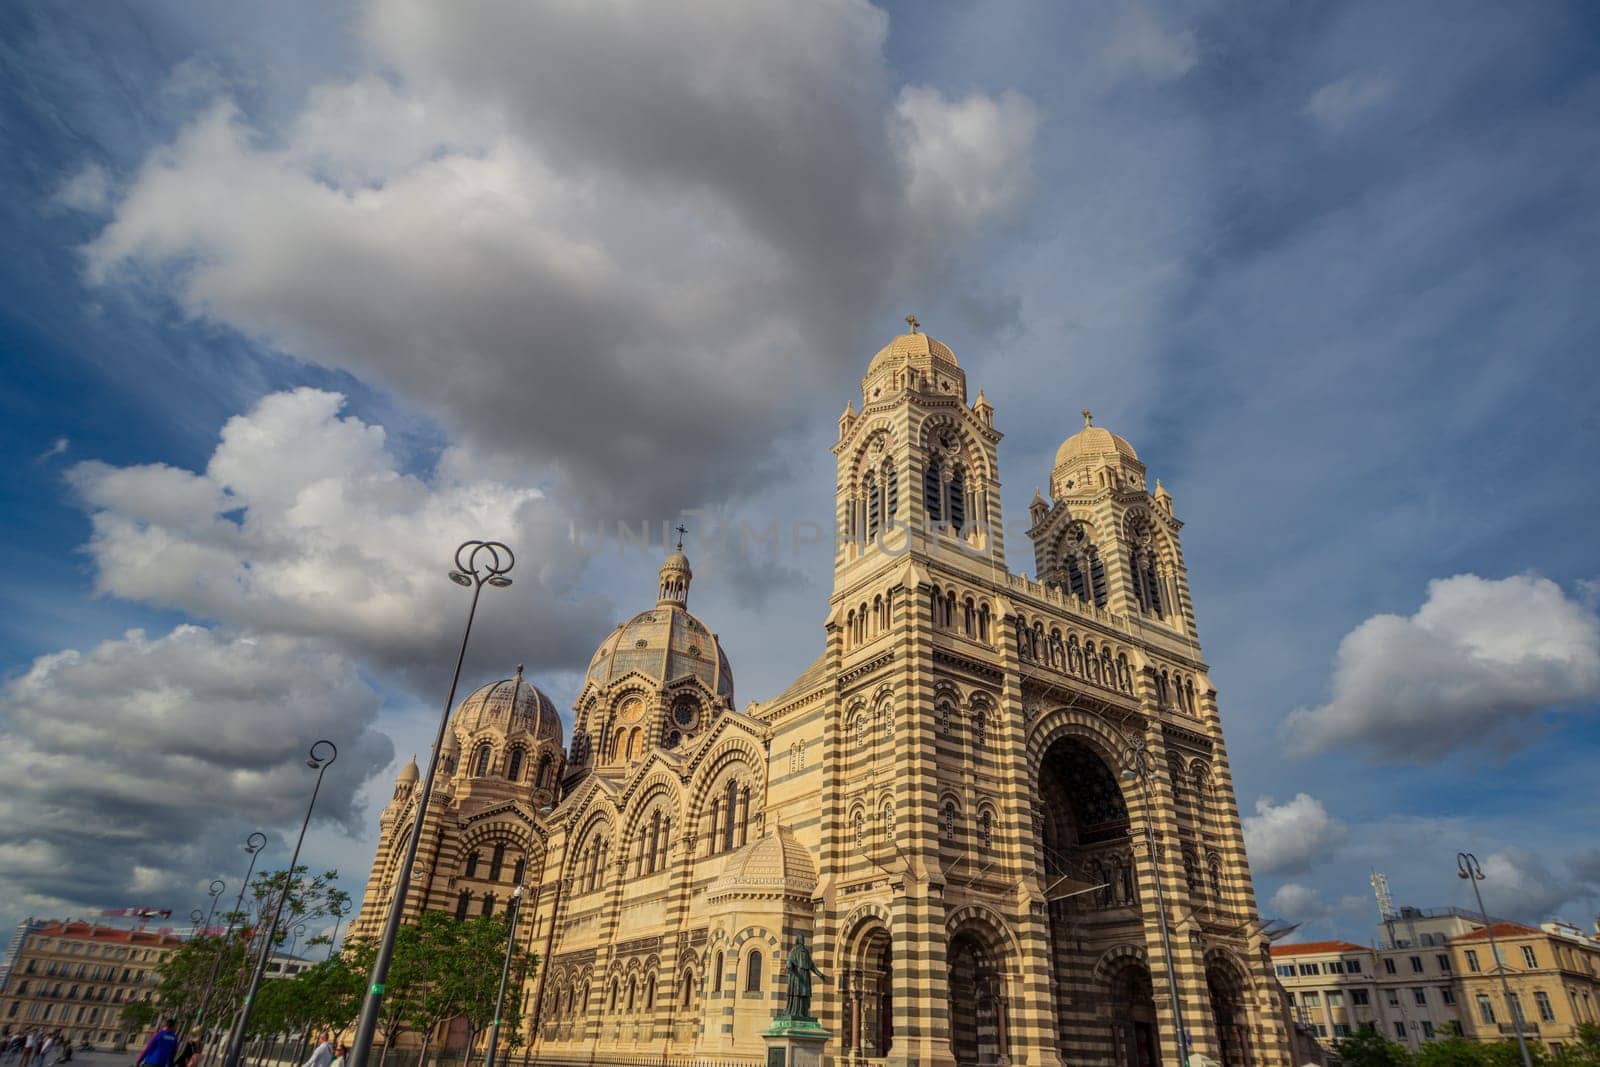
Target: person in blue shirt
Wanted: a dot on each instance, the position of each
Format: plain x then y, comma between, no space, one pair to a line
163,1046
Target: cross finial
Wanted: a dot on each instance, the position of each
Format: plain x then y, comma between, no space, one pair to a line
1088,418
681,531
911,321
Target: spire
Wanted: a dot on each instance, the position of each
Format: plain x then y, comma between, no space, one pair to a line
673,589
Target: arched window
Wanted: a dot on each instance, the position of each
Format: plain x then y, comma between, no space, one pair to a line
869,484
463,902
732,811
891,493
980,728
685,988
888,722
986,827
752,974
983,623
480,768
716,975
947,821
497,861
650,993
488,903
633,991
969,617
859,820
861,729
472,864
514,766
942,718
611,996
933,491
958,500
886,817
519,870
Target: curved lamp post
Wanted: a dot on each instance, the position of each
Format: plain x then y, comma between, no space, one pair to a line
253,846
338,914
321,757
478,563
505,974
1141,767
1467,867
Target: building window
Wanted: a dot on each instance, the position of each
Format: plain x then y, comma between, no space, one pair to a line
1444,963
1427,1030
1447,995
497,862
488,903
1388,966
472,864
1308,968
1358,998
1528,957
1285,970
716,975
1322,1031
1341,1030
1400,1030
462,903
1485,1009
481,768
1335,998
752,974
1547,1012
948,821
1416,964
1393,997
1353,966
1420,996
1472,959
1312,999
1335,966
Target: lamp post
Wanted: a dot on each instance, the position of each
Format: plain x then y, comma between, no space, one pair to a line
478,563
319,763
505,974
252,845
196,917
1142,767
338,914
1467,867
299,929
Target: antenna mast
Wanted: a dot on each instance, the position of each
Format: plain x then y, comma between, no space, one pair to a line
1380,889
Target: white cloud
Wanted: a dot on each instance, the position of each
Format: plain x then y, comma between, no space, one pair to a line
88,190
1478,658
1517,881
1299,903
130,764
302,524
1337,104
57,447
547,211
1289,838
1140,44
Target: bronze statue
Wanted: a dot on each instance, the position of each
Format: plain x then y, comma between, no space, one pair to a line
799,968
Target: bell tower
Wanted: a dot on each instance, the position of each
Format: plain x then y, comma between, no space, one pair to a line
917,468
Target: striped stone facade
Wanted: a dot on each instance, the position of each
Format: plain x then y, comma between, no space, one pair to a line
942,802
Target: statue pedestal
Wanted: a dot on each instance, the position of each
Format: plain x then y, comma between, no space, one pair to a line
795,1043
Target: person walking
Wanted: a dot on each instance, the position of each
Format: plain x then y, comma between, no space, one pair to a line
191,1048
339,1054
162,1047
47,1043
322,1055
29,1043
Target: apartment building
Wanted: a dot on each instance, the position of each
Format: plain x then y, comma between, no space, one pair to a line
1553,972
77,976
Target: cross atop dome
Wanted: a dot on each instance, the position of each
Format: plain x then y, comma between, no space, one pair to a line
1088,418
911,321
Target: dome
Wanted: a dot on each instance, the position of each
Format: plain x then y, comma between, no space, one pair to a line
409,775
489,707
774,863
1094,442
664,644
916,349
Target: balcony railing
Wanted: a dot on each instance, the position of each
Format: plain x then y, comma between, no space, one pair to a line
1528,1027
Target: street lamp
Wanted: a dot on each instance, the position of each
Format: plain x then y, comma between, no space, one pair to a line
299,928
505,974
252,845
478,563
319,763
1141,767
338,914
1467,867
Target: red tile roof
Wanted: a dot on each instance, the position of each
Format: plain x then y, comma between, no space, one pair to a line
1315,948
1500,930
82,931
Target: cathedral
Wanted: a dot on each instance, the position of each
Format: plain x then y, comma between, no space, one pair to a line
998,807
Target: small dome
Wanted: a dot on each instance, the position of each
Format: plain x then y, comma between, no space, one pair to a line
489,707
774,863
409,775
1094,442
664,644
916,349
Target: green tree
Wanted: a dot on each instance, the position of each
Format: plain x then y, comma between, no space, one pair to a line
1460,1052
138,1016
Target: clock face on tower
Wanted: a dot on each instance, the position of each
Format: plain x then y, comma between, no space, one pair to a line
631,711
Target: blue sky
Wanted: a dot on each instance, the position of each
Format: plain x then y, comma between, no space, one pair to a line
297,297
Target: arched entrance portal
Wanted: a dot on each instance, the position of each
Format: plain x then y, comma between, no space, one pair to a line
868,993
1227,990
978,1023
1133,1016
